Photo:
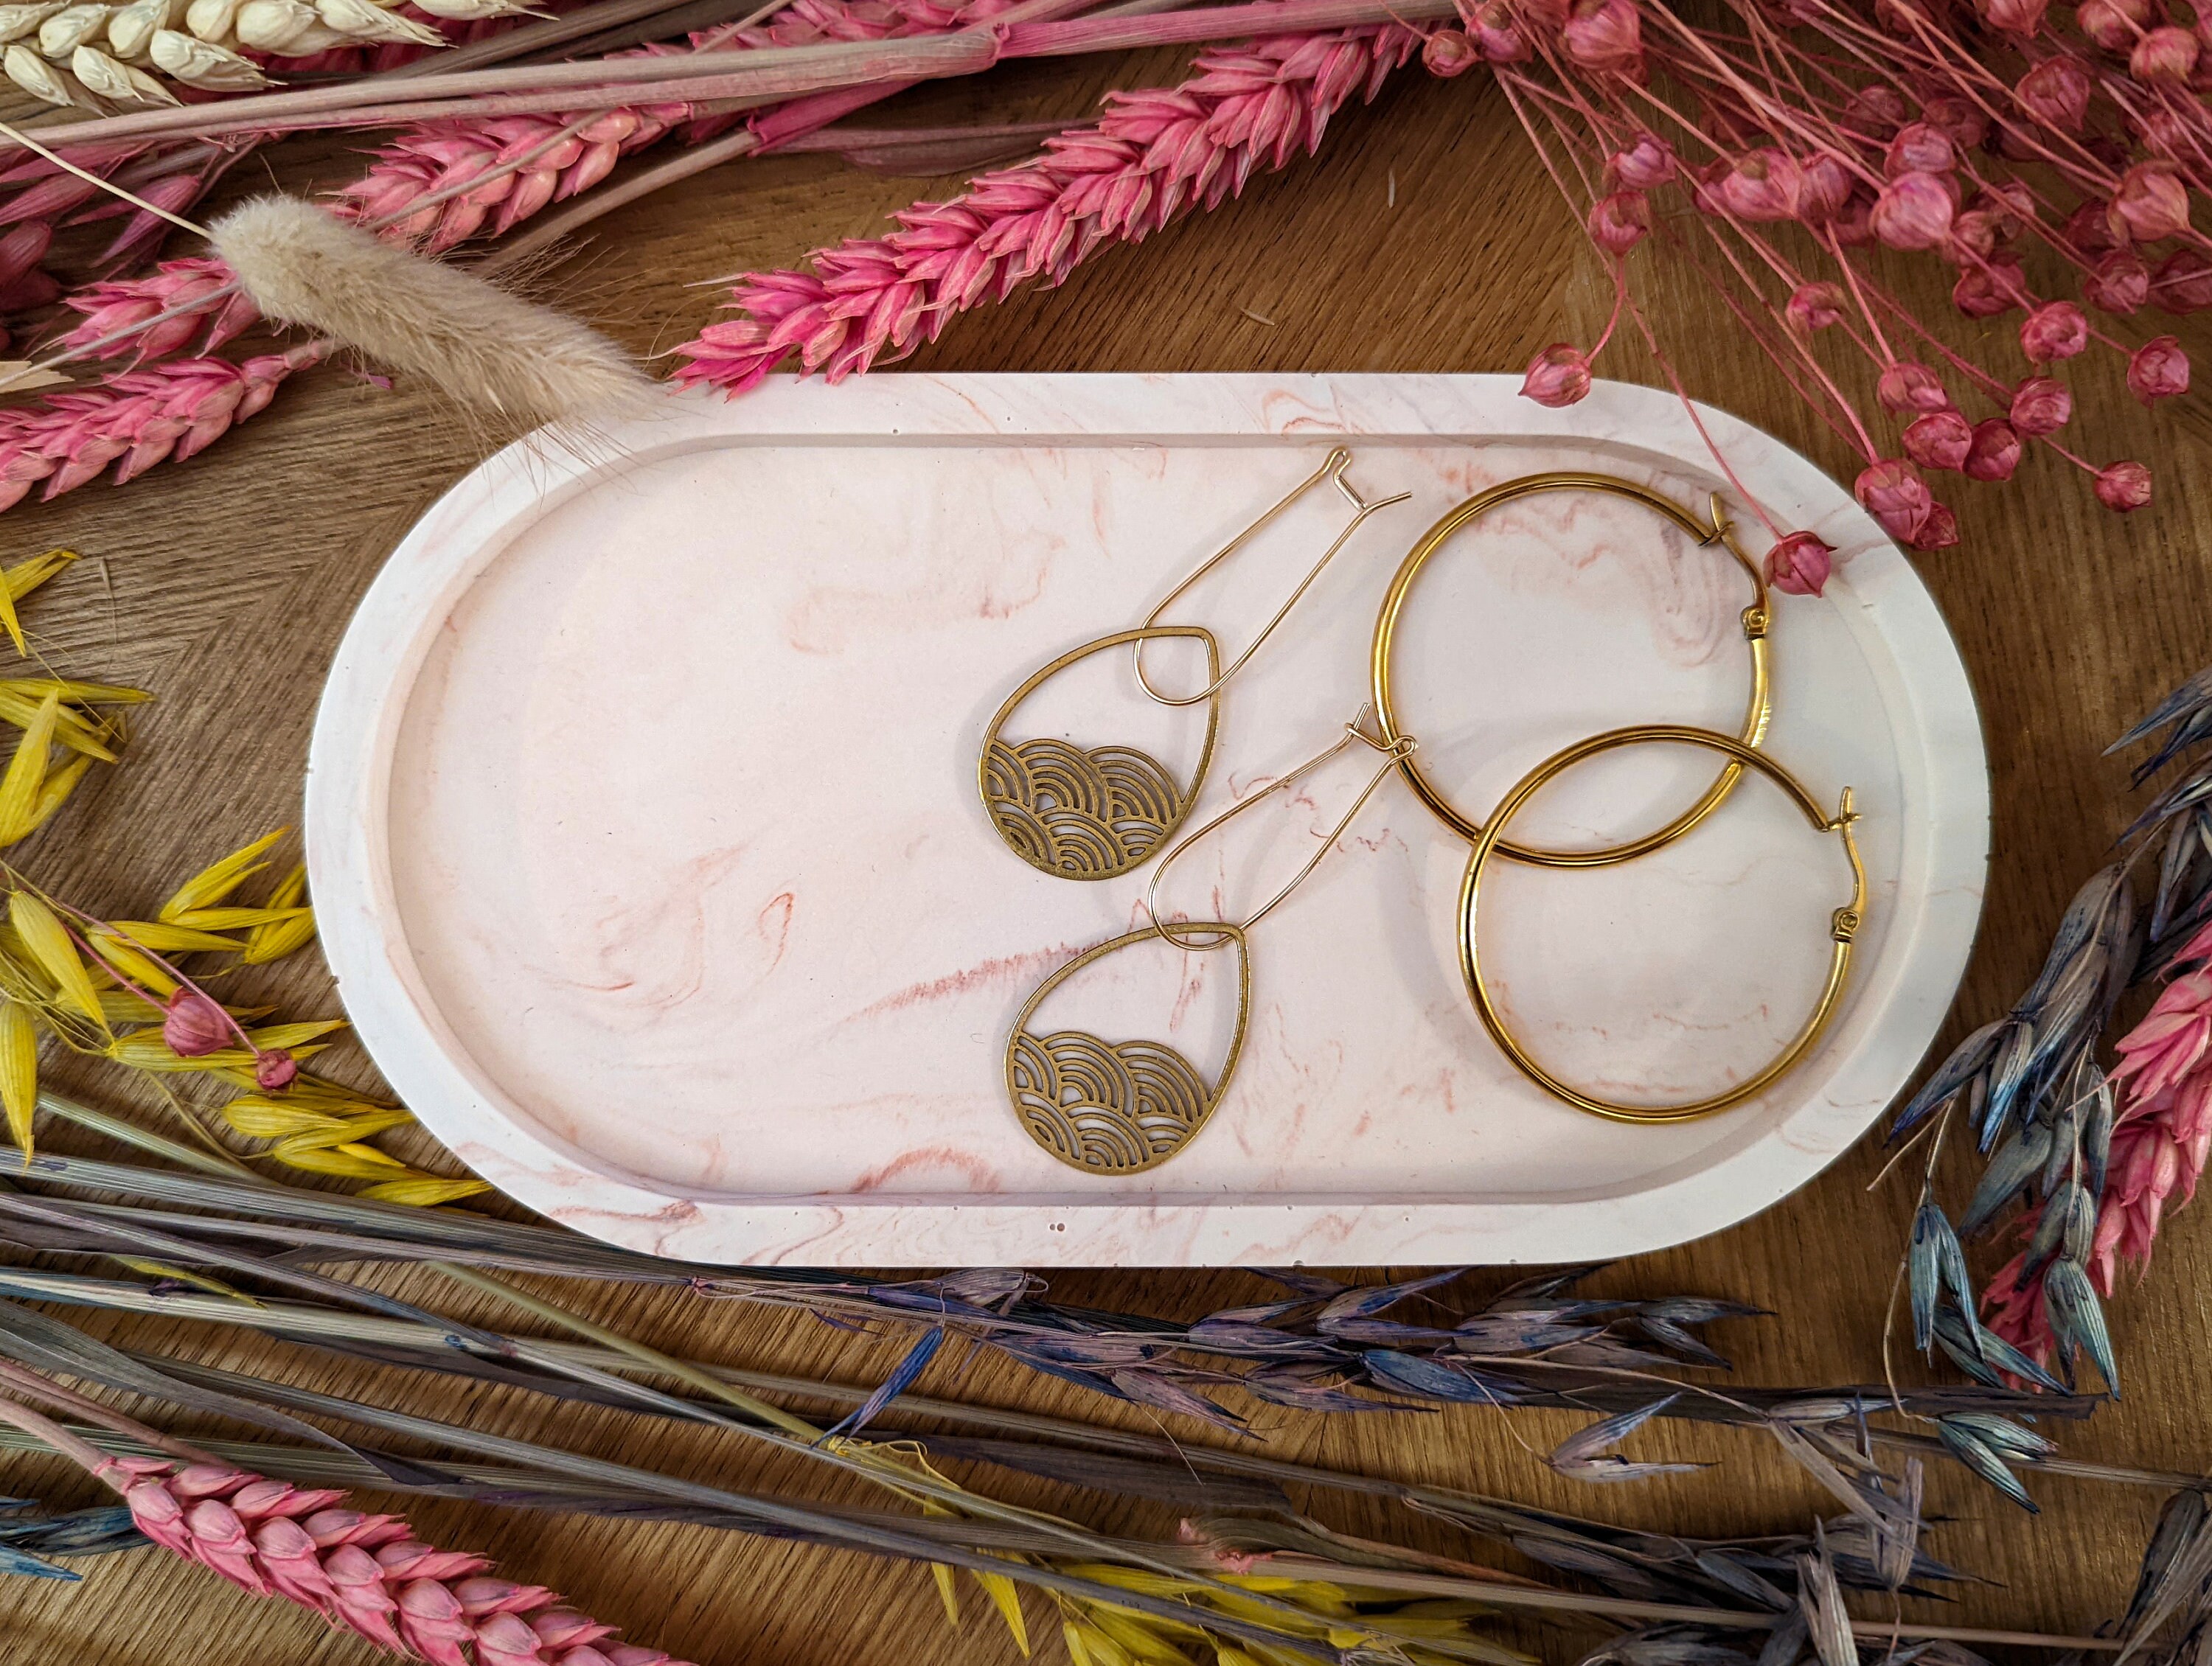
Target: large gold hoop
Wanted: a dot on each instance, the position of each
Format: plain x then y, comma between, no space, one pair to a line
1842,927
1756,619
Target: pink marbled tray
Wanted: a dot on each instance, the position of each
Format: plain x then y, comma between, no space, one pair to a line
643,831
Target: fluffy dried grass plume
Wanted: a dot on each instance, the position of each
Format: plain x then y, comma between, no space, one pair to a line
483,346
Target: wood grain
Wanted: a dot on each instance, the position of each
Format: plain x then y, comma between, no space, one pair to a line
223,584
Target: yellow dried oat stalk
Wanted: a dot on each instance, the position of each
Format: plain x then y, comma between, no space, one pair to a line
75,692
46,941
18,1070
27,575
124,958
163,938
423,1192
25,774
274,941
215,882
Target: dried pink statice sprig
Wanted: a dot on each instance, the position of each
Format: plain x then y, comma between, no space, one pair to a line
2161,1137
136,419
1155,155
1889,126
362,1573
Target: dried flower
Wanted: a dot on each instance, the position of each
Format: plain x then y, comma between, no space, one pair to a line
1799,563
2166,56
2158,369
1919,148
2021,17
1448,53
2115,24
2151,202
1892,491
1914,211
1494,28
2123,486
1618,222
1761,187
1816,306
1994,452
2119,282
2056,329
1604,35
193,1023
1908,386
1558,375
2040,405
1940,439
275,1069
1645,164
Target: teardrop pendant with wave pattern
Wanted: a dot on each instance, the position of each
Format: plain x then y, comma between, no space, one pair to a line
1118,1107
1092,814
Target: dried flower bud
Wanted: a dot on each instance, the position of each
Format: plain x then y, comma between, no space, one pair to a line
2120,283
1939,528
1618,222
1853,227
1874,110
2123,486
1814,306
2057,94
1906,18
1977,233
1648,162
1761,187
2019,17
1798,564
1447,52
1996,451
1913,211
1939,439
1906,386
2184,283
2113,24
1919,148
1604,35
2056,329
1557,376
274,1069
2040,405
1893,492
193,1025
2158,370
2151,202
1496,33
1984,291
2165,132
1824,188
2164,57
1960,119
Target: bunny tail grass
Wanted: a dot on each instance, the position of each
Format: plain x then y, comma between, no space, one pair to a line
483,346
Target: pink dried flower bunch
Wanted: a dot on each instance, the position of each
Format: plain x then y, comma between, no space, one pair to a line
2161,1136
365,1573
136,420
158,315
1155,155
1795,175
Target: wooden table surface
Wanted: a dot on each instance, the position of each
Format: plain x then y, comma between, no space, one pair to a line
223,584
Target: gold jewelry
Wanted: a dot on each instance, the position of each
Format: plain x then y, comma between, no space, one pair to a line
1756,619
1842,927
1122,1107
1098,813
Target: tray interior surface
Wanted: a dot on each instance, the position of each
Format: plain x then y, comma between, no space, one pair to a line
692,875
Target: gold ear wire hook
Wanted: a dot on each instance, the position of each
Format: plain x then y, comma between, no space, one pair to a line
1331,470
1200,937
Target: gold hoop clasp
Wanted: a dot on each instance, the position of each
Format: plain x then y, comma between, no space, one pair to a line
1756,620
1842,927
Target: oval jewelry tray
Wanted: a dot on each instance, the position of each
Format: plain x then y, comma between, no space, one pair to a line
645,842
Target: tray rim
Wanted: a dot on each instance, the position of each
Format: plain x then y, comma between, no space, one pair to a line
373,672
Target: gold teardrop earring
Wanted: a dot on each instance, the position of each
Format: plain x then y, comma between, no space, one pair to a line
1122,1107
1096,813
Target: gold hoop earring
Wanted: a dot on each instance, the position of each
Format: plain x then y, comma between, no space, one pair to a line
1842,927
1097,813
1123,1107
1756,619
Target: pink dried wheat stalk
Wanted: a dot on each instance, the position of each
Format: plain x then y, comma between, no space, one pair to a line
135,418
1155,155
2161,1136
365,1573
